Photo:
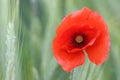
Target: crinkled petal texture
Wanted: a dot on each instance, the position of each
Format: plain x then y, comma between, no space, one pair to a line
98,52
95,39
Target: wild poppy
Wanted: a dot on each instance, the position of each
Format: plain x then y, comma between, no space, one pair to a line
81,30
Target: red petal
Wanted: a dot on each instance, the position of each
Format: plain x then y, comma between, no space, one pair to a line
64,25
81,16
97,21
78,17
98,52
64,41
68,61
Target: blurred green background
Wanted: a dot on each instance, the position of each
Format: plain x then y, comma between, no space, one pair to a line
27,28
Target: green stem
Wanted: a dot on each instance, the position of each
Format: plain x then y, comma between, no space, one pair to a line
71,75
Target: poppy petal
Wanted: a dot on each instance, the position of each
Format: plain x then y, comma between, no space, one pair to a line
68,61
77,17
98,52
97,21
65,40
80,16
64,25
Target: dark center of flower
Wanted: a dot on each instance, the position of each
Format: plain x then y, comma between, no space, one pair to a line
78,39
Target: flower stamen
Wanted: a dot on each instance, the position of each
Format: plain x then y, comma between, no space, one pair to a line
78,39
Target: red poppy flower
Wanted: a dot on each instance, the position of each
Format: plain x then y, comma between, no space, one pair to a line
81,30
